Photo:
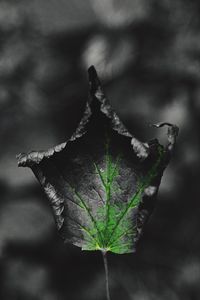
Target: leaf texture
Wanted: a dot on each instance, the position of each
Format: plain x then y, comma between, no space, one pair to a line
102,183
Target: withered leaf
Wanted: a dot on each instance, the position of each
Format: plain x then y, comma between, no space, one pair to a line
102,183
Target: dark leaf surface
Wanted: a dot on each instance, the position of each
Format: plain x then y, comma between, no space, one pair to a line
102,183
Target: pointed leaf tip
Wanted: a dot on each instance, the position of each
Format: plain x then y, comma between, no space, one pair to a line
93,80
92,71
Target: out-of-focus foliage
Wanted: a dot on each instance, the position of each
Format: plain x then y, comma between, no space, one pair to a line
148,53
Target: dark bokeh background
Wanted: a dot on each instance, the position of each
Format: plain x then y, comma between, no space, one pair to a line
147,53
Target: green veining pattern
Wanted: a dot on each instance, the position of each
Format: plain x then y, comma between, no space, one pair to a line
111,227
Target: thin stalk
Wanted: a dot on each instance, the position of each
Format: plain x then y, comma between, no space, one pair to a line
105,262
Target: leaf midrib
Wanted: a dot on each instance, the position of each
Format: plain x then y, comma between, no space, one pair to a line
107,186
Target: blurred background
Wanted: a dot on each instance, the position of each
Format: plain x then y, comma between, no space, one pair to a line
147,53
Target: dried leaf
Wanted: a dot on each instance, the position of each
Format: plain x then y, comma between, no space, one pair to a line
102,183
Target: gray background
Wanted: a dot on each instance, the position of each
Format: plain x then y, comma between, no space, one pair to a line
147,53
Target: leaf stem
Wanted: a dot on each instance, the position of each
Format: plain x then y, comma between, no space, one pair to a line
104,253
